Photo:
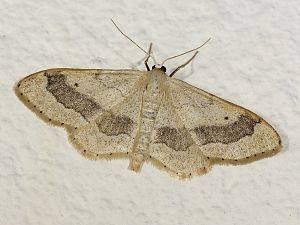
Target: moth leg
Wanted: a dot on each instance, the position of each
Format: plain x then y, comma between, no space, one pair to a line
136,162
148,56
183,65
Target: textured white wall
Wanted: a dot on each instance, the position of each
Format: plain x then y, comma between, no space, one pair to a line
253,60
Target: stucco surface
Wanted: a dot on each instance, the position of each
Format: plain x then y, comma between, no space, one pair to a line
252,60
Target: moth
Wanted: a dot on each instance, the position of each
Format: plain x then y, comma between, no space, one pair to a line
147,116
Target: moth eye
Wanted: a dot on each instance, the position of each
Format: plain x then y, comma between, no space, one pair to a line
164,68
153,66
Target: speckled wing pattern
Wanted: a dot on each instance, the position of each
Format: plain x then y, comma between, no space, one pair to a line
147,116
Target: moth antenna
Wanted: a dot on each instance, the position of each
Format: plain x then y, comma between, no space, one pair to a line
147,53
152,55
194,49
183,65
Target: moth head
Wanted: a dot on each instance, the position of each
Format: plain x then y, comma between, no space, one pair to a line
163,68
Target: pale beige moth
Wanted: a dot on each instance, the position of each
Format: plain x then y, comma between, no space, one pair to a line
147,116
